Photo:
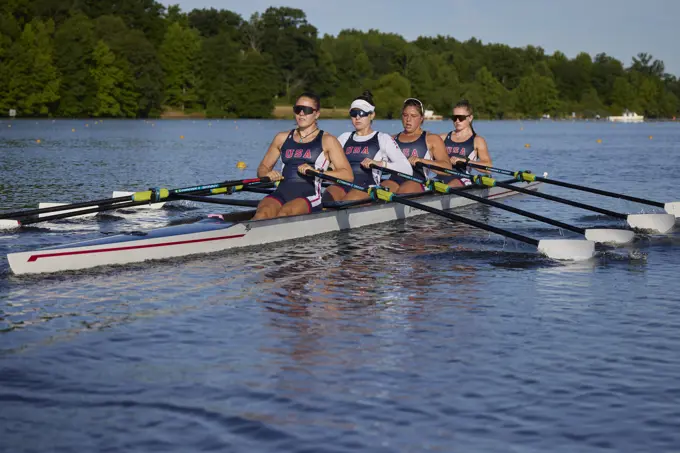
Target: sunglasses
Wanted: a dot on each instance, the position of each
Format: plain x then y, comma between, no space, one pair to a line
460,118
358,113
303,108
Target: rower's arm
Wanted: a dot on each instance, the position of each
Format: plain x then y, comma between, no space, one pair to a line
272,155
438,151
483,156
337,158
395,157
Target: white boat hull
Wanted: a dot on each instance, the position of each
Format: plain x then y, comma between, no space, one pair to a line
214,235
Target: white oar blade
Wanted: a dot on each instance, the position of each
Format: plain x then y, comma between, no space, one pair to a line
609,235
567,249
660,223
6,224
117,194
673,208
52,205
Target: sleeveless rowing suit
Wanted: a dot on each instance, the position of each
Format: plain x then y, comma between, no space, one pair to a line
356,152
461,150
295,185
418,147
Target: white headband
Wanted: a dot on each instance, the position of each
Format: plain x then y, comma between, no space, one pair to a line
362,105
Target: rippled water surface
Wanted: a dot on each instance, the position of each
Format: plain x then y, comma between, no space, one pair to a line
412,336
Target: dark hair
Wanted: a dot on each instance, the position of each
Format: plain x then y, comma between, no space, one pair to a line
464,103
413,102
313,97
366,96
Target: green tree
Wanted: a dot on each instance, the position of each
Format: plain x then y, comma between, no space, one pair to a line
487,94
74,43
33,88
536,95
179,57
389,94
115,95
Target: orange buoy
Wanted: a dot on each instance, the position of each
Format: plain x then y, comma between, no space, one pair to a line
181,137
599,140
241,165
526,145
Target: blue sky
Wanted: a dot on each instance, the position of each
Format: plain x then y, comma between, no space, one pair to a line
620,28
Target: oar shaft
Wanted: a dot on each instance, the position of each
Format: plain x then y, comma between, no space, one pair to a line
424,207
30,221
568,185
474,223
84,204
576,204
486,201
138,197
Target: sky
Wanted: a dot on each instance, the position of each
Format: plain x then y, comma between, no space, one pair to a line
619,28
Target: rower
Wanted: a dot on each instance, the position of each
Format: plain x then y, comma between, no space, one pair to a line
364,147
418,146
463,144
304,148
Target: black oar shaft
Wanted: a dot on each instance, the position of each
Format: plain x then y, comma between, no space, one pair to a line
32,220
448,215
474,223
84,204
225,201
545,196
106,203
600,192
568,185
486,201
575,204
521,212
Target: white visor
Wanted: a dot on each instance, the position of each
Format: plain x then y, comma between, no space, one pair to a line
362,105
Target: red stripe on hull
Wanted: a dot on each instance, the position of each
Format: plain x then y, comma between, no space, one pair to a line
131,247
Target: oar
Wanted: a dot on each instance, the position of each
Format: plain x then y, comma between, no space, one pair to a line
618,236
561,249
136,199
671,207
661,223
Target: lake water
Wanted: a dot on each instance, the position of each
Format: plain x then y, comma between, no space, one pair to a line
413,336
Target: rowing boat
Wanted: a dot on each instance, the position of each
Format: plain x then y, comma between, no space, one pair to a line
231,231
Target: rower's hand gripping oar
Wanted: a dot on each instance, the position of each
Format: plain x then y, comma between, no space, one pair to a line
594,234
660,223
671,207
561,249
136,199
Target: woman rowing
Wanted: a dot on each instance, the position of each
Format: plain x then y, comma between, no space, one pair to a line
418,146
365,147
463,144
304,148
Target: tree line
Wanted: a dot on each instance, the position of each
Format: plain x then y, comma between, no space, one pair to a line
136,59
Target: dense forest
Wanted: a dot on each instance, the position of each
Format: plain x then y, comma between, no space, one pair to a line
137,59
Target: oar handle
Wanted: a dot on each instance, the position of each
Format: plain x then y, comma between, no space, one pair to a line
398,173
321,175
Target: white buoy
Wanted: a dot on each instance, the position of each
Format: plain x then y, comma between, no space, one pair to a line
609,235
567,249
660,223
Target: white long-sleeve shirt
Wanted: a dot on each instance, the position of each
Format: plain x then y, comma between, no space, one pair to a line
389,152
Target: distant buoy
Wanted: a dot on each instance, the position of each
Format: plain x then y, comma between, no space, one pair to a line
87,125
526,145
241,165
37,141
73,130
209,124
181,137
599,140
521,128
9,125
96,122
650,137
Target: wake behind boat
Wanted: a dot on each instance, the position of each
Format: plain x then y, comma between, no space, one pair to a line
232,231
